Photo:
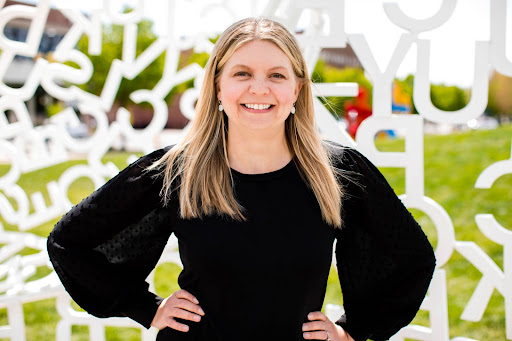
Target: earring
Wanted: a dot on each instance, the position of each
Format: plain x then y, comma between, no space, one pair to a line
293,109
221,108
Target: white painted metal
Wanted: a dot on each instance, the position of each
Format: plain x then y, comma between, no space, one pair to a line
28,148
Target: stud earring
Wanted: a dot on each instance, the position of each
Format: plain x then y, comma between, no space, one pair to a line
293,109
221,108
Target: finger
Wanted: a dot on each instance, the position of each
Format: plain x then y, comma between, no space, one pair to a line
320,335
187,305
317,325
186,295
184,314
317,315
177,326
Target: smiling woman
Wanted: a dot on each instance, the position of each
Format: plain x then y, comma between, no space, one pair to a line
258,89
256,199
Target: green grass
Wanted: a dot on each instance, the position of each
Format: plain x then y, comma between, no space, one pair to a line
452,165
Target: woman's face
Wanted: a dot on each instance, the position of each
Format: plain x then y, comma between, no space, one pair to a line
257,88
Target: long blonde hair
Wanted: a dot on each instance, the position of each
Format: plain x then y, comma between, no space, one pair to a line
199,163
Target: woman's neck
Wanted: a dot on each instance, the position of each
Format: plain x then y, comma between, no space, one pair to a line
258,153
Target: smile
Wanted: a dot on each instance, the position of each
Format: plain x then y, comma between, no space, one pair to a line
258,106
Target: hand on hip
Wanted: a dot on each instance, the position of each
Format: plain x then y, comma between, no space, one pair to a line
180,304
321,328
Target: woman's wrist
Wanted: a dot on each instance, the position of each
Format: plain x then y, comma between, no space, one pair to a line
343,334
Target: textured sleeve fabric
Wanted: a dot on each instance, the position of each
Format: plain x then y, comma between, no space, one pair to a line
104,248
385,262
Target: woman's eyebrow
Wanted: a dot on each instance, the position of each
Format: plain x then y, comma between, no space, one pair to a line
241,66
278,67
248,68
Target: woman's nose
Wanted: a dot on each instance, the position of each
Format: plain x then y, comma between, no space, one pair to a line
258,87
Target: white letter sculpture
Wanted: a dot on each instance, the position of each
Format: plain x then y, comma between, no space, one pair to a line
25,147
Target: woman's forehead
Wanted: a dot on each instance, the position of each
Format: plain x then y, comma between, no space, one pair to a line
259,53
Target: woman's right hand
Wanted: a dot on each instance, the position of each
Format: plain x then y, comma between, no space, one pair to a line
181,304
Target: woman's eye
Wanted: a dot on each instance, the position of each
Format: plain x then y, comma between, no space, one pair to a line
277,75
241,73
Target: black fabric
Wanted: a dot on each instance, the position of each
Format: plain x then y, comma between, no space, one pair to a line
257,279
385,262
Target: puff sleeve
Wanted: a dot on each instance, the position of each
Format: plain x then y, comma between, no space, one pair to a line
104,248
385,262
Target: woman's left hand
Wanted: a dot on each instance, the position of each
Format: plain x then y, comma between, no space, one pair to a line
320,326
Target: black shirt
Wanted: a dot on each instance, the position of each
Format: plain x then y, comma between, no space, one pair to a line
251,278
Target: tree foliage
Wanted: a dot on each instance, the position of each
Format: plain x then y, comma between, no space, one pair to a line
500,95
448,98
112,48
324,73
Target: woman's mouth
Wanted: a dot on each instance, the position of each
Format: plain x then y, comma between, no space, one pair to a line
258,108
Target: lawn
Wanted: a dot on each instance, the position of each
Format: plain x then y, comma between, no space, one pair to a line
452,165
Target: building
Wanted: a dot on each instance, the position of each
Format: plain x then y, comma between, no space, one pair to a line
17,29
340,57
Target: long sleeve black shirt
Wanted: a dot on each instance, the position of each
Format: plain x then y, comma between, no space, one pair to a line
256,278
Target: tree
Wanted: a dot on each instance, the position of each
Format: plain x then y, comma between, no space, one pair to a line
500,96
112,47
329,74
112,43
448,98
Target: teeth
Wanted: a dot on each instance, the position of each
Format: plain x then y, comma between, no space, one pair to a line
258,106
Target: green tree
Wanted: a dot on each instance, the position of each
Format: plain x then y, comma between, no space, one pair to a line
324,73
448,98
112,47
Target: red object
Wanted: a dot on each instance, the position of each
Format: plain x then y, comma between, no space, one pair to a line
357,110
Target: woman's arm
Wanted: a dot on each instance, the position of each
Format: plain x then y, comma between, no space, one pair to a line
385,262
104,248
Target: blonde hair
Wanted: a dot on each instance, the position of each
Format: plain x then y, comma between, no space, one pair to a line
199,163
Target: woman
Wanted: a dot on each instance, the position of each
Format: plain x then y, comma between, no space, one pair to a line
256,200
